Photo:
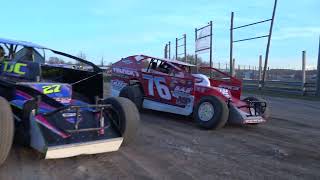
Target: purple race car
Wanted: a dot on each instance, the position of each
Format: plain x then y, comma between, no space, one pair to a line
53,102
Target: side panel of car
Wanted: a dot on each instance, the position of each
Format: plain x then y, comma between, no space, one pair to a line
168,89
221,93
168,93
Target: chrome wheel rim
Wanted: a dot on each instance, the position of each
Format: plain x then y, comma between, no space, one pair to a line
206,111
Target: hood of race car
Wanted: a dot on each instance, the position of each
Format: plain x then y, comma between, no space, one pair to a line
58,91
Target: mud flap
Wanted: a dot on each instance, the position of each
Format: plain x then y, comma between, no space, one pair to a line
37,140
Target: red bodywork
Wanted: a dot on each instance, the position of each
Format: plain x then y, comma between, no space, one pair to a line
177,87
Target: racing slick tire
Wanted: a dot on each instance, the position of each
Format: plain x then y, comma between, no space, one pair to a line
125,117
133,93
211,113
6,129
266,113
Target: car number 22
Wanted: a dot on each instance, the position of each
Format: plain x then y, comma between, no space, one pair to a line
161,88
50,89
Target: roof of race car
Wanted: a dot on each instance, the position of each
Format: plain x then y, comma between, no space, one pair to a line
163,59
21,43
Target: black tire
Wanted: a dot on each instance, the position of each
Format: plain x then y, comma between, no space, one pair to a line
266,113
133,93
6,129
125,117
218,119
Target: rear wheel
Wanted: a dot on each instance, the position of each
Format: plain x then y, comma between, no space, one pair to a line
133,93
6,129
265,113
124,116
211,113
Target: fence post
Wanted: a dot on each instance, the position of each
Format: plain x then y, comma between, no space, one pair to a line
169,50
231,39
318,74
303,82
185,47
176,48
166,51
233,67
260,70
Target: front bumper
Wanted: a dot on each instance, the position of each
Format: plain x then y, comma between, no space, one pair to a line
240,117
93,147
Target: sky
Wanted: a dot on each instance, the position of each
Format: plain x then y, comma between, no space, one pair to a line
114,29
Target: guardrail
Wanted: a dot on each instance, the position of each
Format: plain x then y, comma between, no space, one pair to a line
287,87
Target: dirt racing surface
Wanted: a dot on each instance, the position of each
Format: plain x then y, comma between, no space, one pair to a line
173,147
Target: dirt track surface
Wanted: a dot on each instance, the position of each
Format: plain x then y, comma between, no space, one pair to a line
173,147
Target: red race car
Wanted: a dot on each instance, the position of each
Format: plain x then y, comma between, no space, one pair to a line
212,96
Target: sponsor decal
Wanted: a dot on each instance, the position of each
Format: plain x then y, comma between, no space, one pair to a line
63,100
225,92
234,88
127,61
201,89
183,89
183,100
17,68
139,58
125,71
118,84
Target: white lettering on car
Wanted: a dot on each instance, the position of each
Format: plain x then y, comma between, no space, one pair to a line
125,71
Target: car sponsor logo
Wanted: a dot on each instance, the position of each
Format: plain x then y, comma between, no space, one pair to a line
118,84
127,61
139,58
125,71
234,88
17,68
183,89
225,92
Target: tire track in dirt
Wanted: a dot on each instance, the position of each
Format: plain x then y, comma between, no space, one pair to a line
173,147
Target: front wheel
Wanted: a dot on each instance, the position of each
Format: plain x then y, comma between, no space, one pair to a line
124,116
6,129
211,113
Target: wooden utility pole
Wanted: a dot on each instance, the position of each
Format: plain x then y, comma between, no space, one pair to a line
260,70
169,50
185,47
318,74
269,42
166,51
303,82
231,40
233,67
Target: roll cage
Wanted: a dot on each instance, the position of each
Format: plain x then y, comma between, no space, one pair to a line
13,46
